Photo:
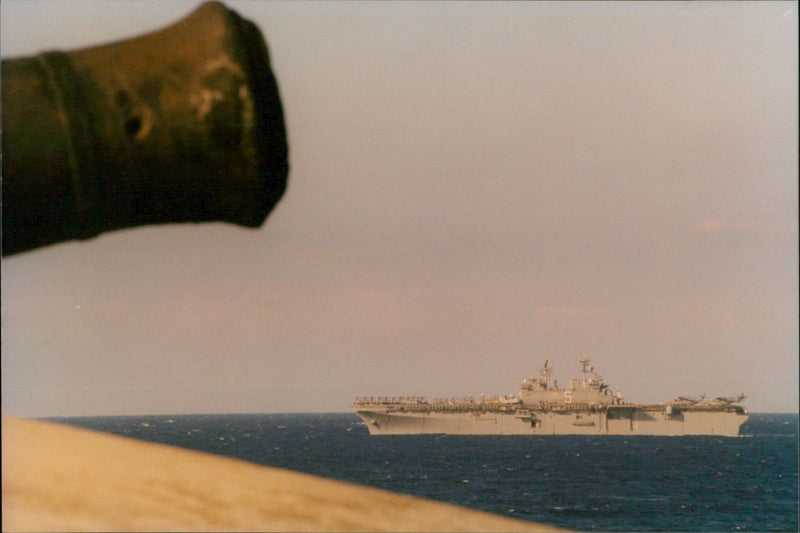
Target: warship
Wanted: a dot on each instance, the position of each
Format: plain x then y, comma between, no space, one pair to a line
587,406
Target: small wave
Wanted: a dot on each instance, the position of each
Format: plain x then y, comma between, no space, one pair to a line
639,498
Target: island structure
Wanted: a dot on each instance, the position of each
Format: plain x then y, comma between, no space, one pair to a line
587,406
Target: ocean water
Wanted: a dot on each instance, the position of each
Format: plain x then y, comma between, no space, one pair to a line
579,482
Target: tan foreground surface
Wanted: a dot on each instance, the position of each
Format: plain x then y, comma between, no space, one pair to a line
59,478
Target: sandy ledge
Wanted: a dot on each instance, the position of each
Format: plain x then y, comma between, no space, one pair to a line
60,478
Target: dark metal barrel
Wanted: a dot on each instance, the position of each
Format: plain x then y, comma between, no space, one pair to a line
180,125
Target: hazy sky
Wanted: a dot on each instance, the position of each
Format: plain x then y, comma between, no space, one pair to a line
474,188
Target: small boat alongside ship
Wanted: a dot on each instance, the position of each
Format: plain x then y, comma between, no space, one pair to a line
585,407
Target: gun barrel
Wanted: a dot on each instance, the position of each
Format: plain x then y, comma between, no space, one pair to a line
184,124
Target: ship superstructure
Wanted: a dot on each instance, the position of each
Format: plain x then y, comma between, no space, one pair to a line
586,406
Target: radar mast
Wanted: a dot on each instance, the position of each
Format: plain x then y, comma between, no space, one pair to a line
547,374
585,370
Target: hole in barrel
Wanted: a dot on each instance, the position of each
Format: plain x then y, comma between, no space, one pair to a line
122,99
133,125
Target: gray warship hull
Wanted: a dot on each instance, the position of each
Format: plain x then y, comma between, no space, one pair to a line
626,421
541,407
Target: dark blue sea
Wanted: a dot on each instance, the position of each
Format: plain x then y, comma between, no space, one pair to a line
585,483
